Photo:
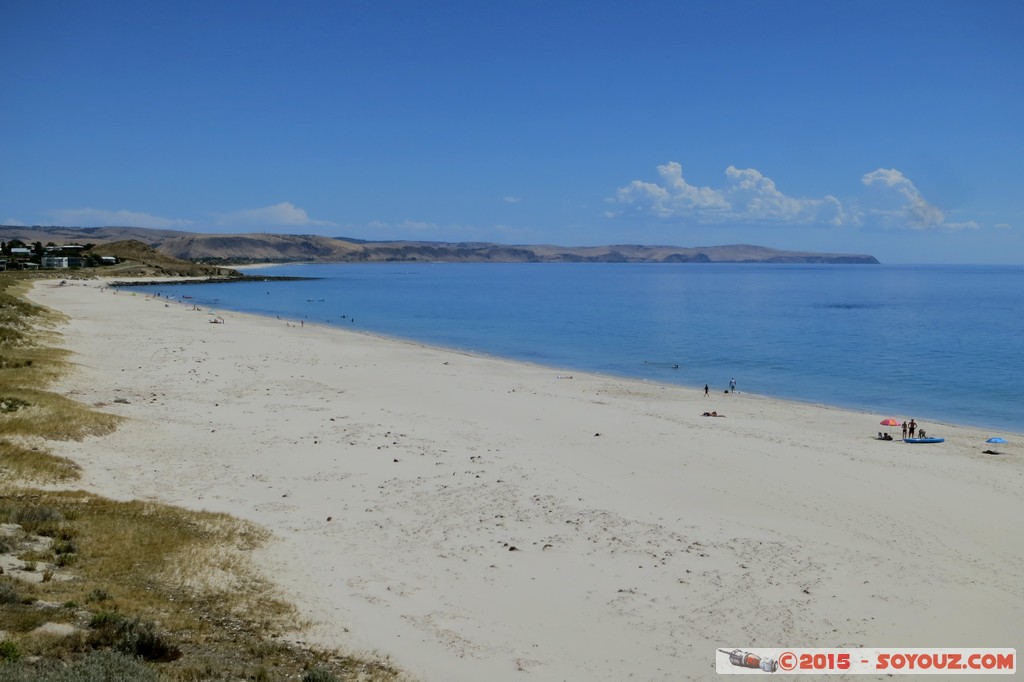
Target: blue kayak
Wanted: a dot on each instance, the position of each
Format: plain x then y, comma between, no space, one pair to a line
924,440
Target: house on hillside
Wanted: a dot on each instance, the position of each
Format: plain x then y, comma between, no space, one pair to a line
61,262
53,262
20,258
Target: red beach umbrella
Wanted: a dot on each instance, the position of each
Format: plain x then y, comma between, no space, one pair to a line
891,421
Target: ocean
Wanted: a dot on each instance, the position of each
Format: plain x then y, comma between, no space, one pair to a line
937,343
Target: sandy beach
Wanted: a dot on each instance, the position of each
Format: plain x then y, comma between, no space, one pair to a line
476,519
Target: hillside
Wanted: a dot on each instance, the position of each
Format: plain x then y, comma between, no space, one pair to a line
138,259
235,249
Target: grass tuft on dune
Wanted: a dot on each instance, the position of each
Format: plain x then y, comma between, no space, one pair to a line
101,589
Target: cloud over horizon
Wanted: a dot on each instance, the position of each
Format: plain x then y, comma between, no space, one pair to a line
284,214
749,196
913,210
98,217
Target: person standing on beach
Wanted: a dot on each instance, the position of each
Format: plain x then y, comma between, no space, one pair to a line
904,428
912,427
705,390
732,385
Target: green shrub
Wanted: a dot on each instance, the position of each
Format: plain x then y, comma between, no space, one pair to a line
319,675
97,666
8,593
105,620
61,546
38,519
63,560
98,594
10,404
9,651
141,638
131,636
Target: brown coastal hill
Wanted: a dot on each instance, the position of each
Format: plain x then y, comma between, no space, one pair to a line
141,260
235,249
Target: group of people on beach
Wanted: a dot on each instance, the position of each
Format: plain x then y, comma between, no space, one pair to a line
909,429
732,387
707,390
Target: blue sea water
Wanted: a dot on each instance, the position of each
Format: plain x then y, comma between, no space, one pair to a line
930,342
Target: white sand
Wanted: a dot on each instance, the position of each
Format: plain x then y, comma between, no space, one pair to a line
640,550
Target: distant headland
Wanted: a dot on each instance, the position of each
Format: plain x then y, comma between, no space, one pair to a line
227,250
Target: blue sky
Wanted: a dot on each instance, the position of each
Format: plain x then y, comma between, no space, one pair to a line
889,128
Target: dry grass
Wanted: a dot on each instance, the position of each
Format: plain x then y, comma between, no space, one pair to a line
185,576
42,414
28,366
29,413
134,579
139,557
19,463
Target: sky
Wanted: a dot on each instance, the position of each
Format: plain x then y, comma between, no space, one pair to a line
894,129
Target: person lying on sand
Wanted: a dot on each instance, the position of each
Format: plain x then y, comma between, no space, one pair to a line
712,414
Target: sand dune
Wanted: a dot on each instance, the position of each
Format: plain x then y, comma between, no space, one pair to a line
476,519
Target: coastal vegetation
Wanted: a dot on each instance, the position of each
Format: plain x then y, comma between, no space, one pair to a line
93,588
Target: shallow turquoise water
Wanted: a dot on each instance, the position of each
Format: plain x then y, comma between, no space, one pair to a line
931,342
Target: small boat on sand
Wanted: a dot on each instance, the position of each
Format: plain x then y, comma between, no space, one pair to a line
930,439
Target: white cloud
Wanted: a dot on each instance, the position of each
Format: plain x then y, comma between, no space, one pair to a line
419,230
675,198
755,197
14,222
747,196
284,214
912,210
406,229
966,225
1002,226
416,226
512,200
98,217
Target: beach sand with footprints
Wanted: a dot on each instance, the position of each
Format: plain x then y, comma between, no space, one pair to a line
477,519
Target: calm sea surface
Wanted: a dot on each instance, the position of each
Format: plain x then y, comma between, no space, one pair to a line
931,342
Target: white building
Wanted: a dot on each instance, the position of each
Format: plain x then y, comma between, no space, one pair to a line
54,262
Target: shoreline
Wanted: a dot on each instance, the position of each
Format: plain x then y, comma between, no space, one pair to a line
397,478
934,396
807,402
